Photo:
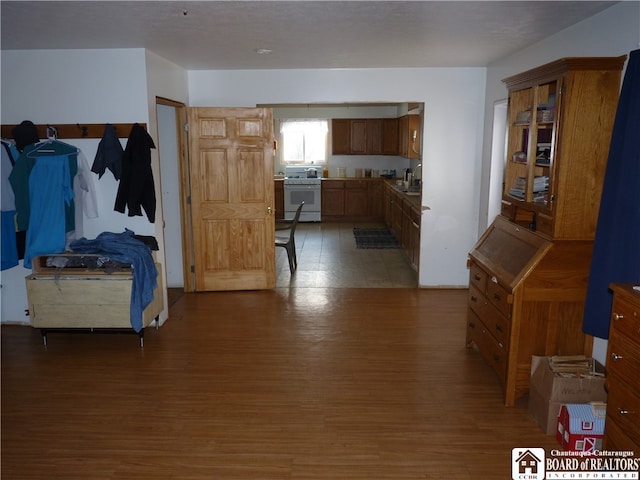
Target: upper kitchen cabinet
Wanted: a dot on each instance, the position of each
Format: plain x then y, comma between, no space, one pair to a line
560,119
409,136
359,134
341,136
390,136
364,136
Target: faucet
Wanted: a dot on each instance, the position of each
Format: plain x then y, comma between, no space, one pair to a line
413,174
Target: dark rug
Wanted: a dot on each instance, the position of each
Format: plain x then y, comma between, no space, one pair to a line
374,238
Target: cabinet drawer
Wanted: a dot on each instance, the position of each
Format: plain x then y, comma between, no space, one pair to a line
623,409
493,320
477,301
508,210
477,277
616,439
67,291
498,325
499,297
625,318
492,351
623,357
544,224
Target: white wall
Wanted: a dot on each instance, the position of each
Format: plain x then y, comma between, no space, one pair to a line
82,86
613,32
453,98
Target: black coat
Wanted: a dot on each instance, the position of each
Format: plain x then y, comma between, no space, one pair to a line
137,190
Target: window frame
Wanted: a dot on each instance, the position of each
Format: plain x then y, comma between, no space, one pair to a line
284,161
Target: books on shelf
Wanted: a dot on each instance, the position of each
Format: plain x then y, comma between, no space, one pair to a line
540,188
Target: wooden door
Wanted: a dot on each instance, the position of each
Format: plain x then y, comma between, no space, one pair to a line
232,198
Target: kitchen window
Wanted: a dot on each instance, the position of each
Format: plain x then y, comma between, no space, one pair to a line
304,141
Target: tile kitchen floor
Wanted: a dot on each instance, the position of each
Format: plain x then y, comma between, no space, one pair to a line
328,257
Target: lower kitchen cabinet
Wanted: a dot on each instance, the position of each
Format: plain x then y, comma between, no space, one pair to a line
279,199
356,198
352,200
526,297
402,216
332,199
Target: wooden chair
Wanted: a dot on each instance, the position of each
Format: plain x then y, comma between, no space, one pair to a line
285,237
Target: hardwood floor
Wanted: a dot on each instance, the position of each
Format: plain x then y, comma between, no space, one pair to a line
294,383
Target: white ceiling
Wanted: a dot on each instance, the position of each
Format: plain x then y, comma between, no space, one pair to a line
213,35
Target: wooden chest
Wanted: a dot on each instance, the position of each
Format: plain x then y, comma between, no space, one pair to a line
85,299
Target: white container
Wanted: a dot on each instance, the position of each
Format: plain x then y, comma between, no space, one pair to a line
342,172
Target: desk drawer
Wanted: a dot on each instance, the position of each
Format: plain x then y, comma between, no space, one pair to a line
625,318
499,297
492,351
623,408
493,319
624,358
477,277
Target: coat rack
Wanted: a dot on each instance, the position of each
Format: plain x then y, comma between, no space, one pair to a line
76,130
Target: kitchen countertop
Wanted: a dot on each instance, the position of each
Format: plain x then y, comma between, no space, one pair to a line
414,200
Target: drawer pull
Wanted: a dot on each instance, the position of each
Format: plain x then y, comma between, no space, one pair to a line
618,316
498,328
496,357
615,357
474,299
494,279
622,411
496,296
472,325
477,277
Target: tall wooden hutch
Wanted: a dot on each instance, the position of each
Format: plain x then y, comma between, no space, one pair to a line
529,270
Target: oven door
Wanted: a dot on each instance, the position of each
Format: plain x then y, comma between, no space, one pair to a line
309,194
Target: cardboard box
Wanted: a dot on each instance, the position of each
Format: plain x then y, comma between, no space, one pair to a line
549,390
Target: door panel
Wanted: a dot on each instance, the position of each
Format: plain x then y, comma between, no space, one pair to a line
232,198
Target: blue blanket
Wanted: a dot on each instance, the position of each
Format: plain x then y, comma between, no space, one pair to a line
123,247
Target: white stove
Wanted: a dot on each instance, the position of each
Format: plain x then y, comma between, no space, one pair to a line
302,184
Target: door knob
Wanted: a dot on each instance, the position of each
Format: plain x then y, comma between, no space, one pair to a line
269,210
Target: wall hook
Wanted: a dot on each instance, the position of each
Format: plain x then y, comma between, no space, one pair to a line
84,129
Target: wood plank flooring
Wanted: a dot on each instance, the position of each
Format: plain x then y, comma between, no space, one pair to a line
294,383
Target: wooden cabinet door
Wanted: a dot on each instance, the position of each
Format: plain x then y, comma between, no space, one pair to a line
279,199
332,198
358,136
403,136
386,204
356,198
396,215
341,136
231,173
374,136
415,237
375,196
390,136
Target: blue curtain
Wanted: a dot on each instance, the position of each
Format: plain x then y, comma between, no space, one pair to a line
616,252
